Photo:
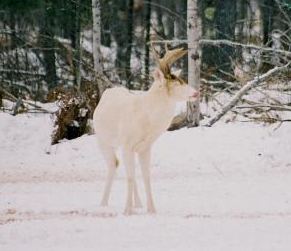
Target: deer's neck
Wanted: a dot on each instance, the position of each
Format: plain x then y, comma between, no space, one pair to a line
160,105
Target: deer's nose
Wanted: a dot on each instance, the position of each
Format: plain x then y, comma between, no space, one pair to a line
195,94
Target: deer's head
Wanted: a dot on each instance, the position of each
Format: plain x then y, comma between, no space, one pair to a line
177,88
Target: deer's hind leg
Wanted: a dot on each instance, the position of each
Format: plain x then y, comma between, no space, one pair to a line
132,191
112,163
137,201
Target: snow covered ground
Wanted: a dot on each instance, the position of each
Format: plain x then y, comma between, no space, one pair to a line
220,188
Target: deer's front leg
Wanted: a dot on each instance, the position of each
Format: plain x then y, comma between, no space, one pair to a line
144,159
128,157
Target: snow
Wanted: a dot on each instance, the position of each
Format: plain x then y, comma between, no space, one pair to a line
220,188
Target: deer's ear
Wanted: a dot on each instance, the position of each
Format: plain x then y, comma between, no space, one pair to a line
158,75
177,73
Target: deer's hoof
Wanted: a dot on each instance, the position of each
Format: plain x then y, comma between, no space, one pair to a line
151,211
128,211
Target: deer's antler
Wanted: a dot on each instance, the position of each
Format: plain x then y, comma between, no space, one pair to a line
168,59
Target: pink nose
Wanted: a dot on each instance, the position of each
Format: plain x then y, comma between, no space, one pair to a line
195,94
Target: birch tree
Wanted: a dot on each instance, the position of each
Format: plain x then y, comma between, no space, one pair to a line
102,81
96,11
252,32
194,58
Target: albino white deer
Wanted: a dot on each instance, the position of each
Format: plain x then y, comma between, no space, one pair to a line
134,121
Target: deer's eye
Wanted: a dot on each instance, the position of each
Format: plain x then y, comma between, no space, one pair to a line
184,83
181,81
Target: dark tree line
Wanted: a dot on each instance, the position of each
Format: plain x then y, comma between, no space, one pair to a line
41,40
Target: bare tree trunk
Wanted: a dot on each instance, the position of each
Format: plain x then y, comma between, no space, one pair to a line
48,43
106,23
168,21
1,97
76,43
129,44
253,32
180,7
120,31
97,36
160,26
194,30
279,26
180,31
147,47
97,57
224,23
239,20
14,60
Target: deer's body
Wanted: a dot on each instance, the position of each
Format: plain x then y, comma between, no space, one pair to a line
131,119
133,122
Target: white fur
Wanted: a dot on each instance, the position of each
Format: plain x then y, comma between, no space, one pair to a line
133,122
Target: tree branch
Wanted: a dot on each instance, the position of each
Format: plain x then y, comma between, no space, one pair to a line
16,71
251,46
249,85
271,107
224,42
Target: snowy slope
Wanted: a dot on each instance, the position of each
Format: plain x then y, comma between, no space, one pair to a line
220,188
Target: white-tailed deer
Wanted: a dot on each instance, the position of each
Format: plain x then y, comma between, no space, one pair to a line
133,122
